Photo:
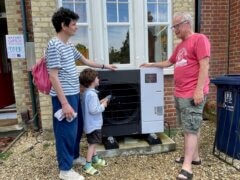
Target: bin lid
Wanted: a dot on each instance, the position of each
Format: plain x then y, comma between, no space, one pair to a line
227,79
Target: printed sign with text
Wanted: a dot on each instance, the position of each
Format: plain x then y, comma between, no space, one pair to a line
15,46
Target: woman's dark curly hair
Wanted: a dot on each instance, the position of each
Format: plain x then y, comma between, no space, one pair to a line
88,76
63,15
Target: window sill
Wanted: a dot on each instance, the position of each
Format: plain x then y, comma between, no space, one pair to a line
166,71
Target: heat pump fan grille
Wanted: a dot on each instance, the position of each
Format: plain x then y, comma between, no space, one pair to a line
124,105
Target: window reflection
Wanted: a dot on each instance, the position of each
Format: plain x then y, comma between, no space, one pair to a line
80,40
163,12
158,10
117,11
80,9
157,43
68,5
118,31
152,1
152,13
123,12
118,45
112,12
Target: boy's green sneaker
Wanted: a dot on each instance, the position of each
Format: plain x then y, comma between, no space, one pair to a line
90,170
99,163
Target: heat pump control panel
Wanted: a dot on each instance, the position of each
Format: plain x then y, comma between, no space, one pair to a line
152,100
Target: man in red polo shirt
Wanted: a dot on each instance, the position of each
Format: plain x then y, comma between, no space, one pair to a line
191,63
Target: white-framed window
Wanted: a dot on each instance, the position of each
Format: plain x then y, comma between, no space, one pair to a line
124,32
82,38
118,31
158,33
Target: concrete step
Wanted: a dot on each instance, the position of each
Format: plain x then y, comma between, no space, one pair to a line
8,119
138,146
8,110
10,128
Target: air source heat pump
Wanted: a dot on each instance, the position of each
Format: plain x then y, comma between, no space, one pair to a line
136,105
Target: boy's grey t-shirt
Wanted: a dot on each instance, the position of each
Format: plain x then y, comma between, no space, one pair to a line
63,56
92,111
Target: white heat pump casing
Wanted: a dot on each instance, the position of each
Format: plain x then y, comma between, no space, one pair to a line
152,100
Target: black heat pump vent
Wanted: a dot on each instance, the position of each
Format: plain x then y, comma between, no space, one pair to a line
122,116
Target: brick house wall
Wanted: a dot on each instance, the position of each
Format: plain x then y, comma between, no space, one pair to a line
19,66
214,23
43,31
234,54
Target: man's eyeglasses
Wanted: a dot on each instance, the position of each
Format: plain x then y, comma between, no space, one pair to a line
176,26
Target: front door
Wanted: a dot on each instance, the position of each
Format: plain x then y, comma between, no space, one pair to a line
6,83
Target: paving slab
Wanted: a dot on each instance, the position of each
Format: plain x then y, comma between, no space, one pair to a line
129,146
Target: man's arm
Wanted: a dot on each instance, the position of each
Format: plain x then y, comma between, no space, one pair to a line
162,64
95,65
203,74
67,109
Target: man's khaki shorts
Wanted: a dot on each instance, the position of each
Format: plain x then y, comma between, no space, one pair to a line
189,117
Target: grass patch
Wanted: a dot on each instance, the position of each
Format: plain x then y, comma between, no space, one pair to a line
172,132
4,156
46,146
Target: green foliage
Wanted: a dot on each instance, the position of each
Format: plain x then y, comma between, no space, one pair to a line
122,56
4,156
46,145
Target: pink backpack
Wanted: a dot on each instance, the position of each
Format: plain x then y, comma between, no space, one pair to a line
41,76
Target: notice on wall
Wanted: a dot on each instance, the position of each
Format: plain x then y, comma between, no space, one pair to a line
15,46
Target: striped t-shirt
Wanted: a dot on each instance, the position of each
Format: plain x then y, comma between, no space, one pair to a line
63,56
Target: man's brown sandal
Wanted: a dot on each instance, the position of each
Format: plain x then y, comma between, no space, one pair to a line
193,162
185,173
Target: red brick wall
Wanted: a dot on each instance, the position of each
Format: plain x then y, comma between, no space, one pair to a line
234,54
29,18
169,108
214,24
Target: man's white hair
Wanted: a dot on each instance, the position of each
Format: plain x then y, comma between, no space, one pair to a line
185,16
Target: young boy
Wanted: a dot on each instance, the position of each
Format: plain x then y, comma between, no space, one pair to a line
92,115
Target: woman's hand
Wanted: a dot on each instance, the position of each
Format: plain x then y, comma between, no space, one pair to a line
110,67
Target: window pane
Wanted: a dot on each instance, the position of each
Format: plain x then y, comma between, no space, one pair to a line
163,13
162,1
122,0
157,43
152,1
80,40
68,6
118,45
67,1
123,12
152,12
111,12
111,0
80,0
81,11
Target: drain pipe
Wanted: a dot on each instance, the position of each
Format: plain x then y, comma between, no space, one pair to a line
228,36
31,86
197,16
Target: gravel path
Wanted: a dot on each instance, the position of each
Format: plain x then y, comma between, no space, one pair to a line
34,159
